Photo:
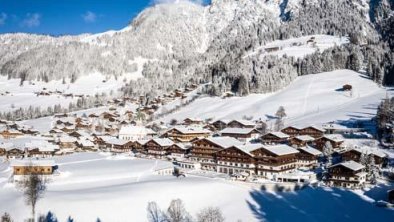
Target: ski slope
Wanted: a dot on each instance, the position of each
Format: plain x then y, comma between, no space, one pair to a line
113,188
311,99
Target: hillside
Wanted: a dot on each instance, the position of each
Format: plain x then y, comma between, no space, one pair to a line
312,99
183,42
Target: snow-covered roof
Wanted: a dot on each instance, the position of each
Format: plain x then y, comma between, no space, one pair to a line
30,162
86,143
237,130
249,147
311,150
280,149
245,122
369,150
352,165
67,139
135,130
305,138
163,141
279,135
142,142
191,129
334,137
224,141
116,141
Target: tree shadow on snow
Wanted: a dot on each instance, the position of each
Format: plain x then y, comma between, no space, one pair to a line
315,204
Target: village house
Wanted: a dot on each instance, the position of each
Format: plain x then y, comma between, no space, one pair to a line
139,147
15,153
272,160
178,150
10,133
347,174
274,138
301,141
237,160
308,157
119,146
158,147
86,144
192,121
220,124
28,166
204,150
292,131
67,142
355,155
312,131
335,140
242,134
134,133
241,124
186,134
41,149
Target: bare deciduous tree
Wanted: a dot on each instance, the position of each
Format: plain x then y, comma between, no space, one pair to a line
33,187
154,212
176,212
6,218
210,214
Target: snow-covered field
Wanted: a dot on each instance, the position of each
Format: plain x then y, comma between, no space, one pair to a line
92,186
311,99
298,47
13,96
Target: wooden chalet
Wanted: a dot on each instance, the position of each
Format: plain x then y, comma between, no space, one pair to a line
178,150
292,131
15,153
241,124
242,134
349,174
27,167
301,141
10,133
275,137
119,146
220,124
312,131
272,160
192,121
335,140
186,134
158,147
237,160
308,157
204,150
67,142
355,155
139,147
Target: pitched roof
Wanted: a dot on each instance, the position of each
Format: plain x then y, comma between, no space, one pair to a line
280,149
279,135
244,122
237,130
163,141
352,165
305,138
135,130
224,141
29,162
249,147
368,151
190,129
311,150
334,137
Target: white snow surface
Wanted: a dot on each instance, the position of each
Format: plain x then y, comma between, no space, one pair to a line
118,188
312,99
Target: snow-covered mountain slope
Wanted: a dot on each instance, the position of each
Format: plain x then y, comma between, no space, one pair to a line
311,99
